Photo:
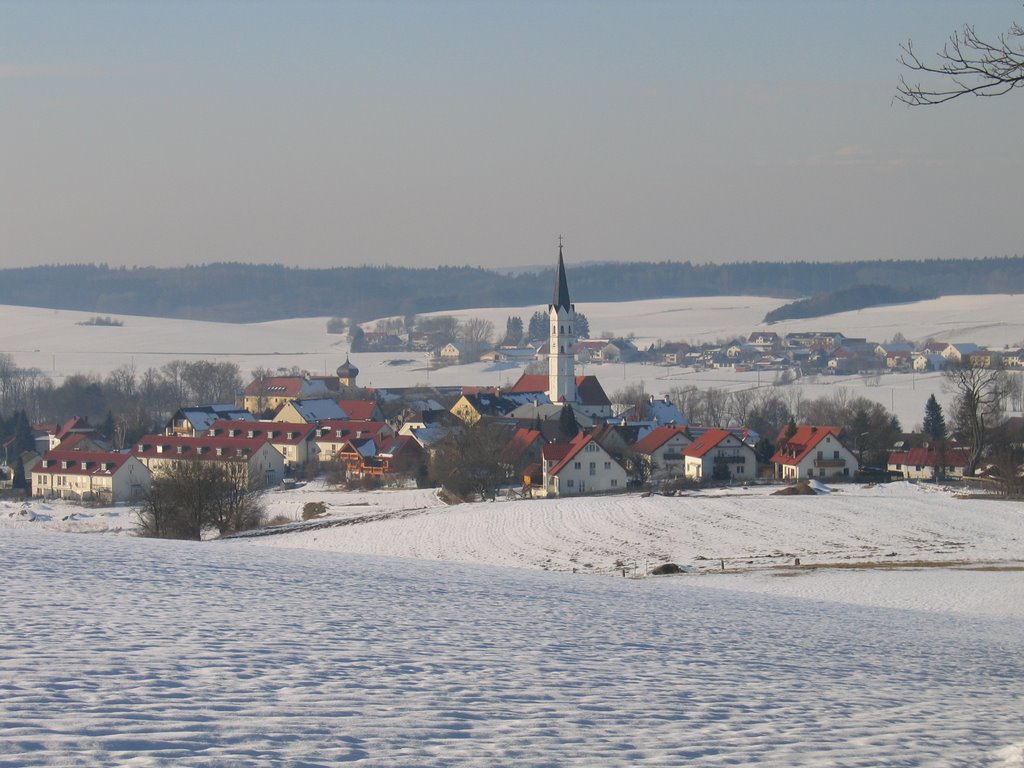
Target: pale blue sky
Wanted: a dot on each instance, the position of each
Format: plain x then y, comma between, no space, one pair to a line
425,133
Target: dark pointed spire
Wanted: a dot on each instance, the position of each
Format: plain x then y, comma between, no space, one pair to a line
560,300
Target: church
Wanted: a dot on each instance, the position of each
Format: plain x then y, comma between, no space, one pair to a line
562,385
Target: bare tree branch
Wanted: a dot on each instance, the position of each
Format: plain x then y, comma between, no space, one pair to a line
967,64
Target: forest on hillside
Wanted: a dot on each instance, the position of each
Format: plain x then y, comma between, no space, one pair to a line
235,292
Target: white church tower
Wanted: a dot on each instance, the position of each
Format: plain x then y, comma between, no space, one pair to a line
562,351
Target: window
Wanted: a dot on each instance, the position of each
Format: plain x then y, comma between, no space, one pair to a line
593,468
835,454
576,465
570,483
819,454
615,483
607,465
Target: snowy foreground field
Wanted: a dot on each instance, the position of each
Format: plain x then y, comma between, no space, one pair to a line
395,635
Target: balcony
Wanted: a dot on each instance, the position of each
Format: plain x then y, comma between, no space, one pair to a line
730,460
830,463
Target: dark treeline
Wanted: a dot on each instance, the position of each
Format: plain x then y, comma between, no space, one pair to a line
236,292
847,299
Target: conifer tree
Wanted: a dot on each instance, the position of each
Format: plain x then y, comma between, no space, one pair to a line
934,421
567,423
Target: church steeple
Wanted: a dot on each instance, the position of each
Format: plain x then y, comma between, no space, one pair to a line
562,341
560,300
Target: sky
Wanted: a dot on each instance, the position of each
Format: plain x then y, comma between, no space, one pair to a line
322,134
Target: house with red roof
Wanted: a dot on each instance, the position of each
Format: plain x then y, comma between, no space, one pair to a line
814,451
929,462
719,454
269,393
77,426
522,450
333,436
295,442
361,410
581,466
252,459
664,447
108,478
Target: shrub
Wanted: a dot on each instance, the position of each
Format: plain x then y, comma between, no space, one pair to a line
313,509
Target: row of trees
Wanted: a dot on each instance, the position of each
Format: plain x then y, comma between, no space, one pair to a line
125,404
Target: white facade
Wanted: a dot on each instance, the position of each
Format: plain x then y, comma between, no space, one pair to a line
732,453
591,469
66,478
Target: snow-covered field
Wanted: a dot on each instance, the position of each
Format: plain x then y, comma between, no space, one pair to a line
399,637
51,341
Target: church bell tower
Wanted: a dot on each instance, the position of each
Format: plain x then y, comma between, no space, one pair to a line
562,351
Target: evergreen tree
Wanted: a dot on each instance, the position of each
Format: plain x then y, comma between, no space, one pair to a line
107,430
934,421
764,449
19,480
538,329
567,424
582,326
513,331
790,428
23,440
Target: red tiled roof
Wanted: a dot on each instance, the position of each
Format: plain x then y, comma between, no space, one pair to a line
276,386
656,438
555,451
204,448
349,428
706,442
588,388
574,447
80,462
931,457
358,410
804,440
75,424
277,432
519,443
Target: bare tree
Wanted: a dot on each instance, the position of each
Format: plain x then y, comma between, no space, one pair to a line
740,403
189,497
469,462
476,334
980,394
967,64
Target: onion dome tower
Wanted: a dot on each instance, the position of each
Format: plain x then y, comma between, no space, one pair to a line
347,373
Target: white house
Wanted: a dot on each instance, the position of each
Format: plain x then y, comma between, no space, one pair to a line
718,453
90,476
664,447
250,457
928,463
814,452
584,467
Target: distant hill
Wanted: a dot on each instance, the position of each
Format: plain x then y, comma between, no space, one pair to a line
234,292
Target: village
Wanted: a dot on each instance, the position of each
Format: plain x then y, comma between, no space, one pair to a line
551,433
